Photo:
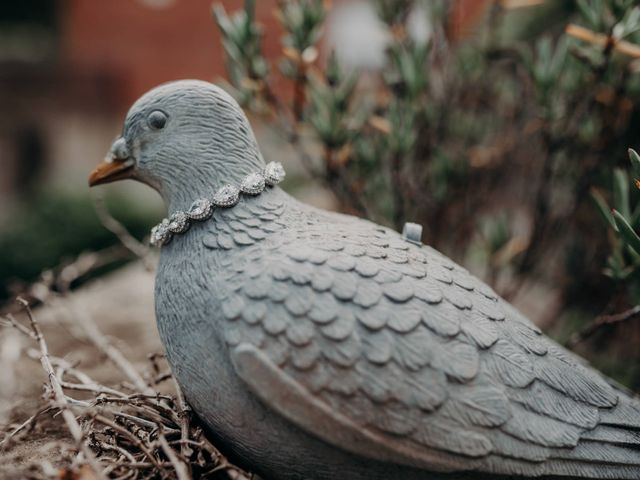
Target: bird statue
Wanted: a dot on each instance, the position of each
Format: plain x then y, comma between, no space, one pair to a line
316,345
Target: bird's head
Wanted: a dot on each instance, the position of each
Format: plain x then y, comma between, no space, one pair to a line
185,139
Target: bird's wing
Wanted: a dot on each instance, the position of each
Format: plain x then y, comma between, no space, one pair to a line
391,351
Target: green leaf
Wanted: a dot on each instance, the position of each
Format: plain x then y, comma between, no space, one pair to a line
221,18
249,8
589,13
603,208
626,232
635,162
559,58
621,192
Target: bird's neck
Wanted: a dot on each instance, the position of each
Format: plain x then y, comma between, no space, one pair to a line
201,181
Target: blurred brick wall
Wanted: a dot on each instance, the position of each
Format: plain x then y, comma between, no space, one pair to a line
464,16
146,42
140,43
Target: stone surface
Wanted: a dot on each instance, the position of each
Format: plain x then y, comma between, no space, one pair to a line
318,345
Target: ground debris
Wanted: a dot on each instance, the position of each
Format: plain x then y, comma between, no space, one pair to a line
139,427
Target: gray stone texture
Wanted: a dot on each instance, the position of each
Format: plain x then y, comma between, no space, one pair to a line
316,345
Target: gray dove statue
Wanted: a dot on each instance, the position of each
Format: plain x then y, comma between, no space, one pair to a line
316,345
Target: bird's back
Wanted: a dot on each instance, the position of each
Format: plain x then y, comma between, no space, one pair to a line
389,350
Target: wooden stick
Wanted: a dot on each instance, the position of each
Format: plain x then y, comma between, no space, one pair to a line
12,322
142,408
93,388
602,322
120,450
119,230
589,36
96,337
63,405
28,422
143,422
182,471
185,420
131,437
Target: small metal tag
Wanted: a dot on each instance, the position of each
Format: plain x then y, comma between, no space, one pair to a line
412,232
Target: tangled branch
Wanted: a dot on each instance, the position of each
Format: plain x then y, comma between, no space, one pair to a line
132,430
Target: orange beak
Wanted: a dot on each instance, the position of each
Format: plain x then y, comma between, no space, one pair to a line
111,170
116,166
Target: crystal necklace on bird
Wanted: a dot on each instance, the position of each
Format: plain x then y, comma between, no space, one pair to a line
225,197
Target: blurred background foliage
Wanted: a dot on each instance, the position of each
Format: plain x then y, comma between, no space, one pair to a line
52,227
503,145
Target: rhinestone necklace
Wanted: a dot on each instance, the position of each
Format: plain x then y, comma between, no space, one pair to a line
225,197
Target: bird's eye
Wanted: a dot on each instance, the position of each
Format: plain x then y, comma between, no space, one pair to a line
157,119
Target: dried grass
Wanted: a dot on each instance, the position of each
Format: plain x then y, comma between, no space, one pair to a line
132,430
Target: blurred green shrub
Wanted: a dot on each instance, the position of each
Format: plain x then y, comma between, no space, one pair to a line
623,219
53,227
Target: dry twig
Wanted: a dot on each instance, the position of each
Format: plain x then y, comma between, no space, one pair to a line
586,35
28,423
128,240
133,431
182,471
92,333
602,322
185,419
59,397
